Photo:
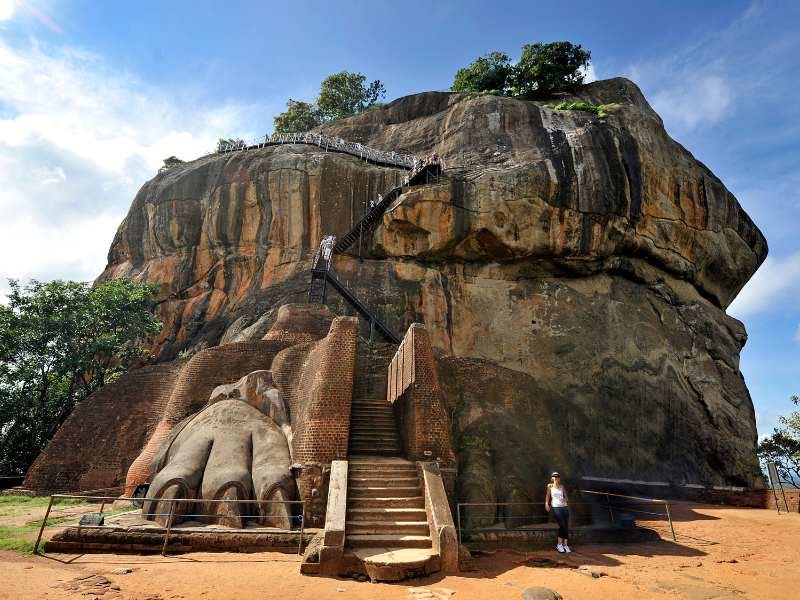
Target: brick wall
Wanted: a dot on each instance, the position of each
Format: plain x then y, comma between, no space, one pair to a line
317,379
753,498
105,432
413,386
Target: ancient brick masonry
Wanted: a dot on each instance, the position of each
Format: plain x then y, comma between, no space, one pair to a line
413,386
319,387
316,379
105,432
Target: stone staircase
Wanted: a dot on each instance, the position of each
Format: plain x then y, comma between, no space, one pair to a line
373,430
387,534
385,506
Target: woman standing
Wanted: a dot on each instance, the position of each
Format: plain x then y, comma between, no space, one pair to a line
556,499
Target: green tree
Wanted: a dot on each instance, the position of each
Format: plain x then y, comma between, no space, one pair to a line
783,447
345,94
59,342
170,163
488,74
298,117
546,68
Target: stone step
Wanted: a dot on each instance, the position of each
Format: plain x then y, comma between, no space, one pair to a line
359,447
386,502
362,481
373,425
383,540
391,527
365,460
386,514
386,476
357,491
355,463
383,472
388,437
387,452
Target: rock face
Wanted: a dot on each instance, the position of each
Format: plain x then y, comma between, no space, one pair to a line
573,275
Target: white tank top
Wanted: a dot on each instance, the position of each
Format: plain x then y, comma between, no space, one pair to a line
557,497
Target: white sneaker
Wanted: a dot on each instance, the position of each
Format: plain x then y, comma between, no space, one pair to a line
560,548
566,548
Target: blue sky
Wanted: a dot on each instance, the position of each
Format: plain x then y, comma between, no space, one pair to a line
94,94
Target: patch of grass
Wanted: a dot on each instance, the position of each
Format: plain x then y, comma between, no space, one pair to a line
17,505
601,110
18,539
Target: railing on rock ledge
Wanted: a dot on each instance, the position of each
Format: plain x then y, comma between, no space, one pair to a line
329,143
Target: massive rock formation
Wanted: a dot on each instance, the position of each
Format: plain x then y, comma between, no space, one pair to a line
573,275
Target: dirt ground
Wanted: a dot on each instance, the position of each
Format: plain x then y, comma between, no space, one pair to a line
720,553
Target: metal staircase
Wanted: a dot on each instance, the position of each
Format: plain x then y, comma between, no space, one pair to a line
422,171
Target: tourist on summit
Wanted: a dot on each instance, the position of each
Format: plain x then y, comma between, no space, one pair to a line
556,498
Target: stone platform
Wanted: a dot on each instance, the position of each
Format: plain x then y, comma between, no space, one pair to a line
544,536
131,533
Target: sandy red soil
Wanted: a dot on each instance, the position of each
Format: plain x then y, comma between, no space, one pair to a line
720,553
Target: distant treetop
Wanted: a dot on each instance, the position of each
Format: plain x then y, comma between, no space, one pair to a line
342,94
541,70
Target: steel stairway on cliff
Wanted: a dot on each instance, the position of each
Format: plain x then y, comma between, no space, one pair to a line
423,171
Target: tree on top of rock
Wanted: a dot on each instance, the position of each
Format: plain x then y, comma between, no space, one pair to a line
298,117
541,70
345,94
546,68
342,94
488,74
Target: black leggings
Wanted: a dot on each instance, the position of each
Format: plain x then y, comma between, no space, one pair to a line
561,515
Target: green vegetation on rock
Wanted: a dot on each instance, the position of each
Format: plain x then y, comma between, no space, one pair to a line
542,69
487,75
59,342
601,110
170,163
341,95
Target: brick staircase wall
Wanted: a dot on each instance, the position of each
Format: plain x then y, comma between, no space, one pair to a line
414,388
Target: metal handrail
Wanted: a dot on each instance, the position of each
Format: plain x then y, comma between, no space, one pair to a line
608,496
171,513
331,143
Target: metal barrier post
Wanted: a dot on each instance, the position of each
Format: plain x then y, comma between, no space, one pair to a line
169,527
458,518
610,511
41,529
669,517
302,526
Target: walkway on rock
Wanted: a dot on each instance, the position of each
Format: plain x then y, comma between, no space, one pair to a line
329,144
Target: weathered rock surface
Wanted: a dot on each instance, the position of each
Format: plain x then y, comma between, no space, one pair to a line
573,275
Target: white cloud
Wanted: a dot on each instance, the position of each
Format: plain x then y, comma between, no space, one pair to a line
776,283
77,139
696,100
6,9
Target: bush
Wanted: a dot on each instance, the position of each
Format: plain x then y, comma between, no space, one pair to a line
601,110
171,163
